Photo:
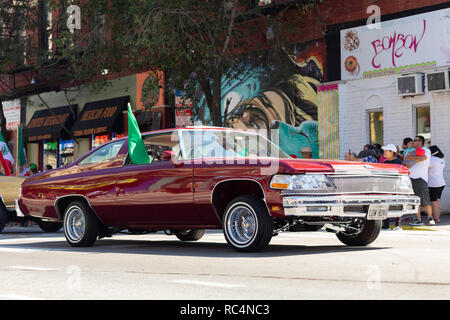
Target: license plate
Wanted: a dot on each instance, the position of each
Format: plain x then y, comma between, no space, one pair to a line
377,212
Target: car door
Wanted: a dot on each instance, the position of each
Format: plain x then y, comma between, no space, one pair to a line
159,192
94,178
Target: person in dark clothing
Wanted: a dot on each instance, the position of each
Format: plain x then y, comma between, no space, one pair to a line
390,154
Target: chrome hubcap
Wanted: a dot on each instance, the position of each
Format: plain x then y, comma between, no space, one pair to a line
241,225
75,224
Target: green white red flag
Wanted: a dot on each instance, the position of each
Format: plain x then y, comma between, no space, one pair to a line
6,158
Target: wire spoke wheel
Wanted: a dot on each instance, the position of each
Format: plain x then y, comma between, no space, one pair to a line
247,224
75,224
81,226
242,224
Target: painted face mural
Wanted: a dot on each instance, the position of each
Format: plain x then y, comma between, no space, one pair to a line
284,98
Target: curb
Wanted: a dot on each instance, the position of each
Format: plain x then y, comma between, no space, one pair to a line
419,228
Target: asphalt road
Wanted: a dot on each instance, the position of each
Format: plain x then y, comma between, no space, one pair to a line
398,265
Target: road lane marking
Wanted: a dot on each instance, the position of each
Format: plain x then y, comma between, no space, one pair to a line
13,296
208,284
27,268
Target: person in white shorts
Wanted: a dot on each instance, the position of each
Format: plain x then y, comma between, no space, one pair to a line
419,178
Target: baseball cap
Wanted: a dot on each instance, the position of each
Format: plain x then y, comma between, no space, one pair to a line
420,152
390,147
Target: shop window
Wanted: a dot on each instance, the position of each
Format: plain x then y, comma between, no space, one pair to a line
423,123
50,155
66,152
98,140
376,127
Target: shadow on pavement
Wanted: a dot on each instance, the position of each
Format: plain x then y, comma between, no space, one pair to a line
174,247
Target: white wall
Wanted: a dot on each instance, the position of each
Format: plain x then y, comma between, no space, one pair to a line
358,96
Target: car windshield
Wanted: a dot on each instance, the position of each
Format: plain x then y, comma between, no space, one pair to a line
227,144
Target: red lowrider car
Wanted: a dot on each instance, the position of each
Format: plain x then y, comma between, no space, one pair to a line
216,178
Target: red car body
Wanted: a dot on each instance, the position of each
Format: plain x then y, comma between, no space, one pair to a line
175,195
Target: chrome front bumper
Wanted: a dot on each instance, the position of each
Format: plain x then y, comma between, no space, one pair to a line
349,205
19,213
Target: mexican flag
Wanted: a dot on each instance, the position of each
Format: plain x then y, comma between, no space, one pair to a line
136,147
23,163
6,158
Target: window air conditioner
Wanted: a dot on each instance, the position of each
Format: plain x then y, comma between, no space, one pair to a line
438,81
409,85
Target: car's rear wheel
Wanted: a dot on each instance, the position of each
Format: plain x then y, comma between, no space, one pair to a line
247,224
48,226
189,235
81,226
365,232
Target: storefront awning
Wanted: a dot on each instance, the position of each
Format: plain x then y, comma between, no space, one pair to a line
50,124
101,117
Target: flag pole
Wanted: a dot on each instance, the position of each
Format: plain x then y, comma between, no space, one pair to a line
16,167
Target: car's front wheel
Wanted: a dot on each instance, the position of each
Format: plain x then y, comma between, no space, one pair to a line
247,224
363,232
81,226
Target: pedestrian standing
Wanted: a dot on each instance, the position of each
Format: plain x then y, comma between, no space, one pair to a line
419,178
306,153
436,181
390,156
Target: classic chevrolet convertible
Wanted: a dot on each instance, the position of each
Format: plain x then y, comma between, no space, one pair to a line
215,178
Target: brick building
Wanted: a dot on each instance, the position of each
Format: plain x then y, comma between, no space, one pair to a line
329,110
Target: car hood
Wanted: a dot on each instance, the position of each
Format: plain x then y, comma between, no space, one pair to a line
339,166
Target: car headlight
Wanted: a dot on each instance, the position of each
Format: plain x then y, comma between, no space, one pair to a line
404,184
306,182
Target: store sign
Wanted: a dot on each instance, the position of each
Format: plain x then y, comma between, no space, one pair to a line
11,110
49,124
48,121
181,100
402,45
183,118
100,117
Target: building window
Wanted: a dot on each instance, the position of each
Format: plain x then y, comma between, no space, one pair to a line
376,127
50,155
66,152
423,123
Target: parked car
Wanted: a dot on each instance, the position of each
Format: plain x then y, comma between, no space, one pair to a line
216,178
9,193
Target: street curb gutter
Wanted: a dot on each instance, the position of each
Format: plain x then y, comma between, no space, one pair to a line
419,228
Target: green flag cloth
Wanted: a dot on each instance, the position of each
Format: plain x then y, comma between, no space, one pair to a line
22,156
136,147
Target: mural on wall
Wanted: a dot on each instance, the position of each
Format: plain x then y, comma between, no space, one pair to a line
284,98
